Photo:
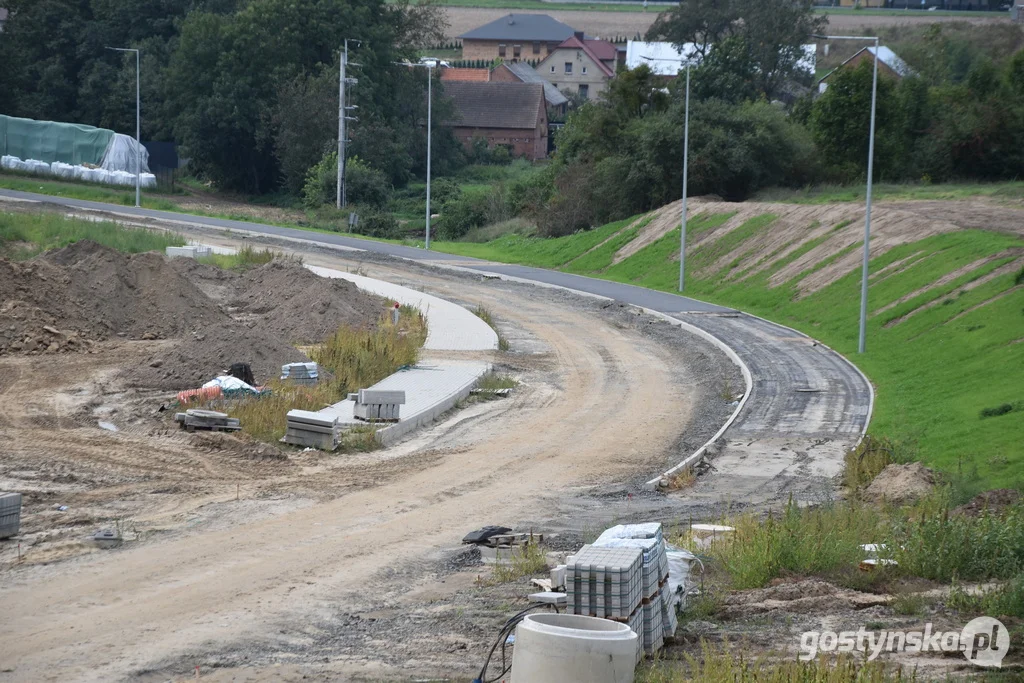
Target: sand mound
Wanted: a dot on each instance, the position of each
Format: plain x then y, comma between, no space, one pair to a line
900,483
295,304
808,596
285,299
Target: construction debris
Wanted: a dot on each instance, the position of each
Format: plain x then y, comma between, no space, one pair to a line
195,418
300,373
107,538
312,430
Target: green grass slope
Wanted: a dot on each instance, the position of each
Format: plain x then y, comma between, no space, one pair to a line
938,359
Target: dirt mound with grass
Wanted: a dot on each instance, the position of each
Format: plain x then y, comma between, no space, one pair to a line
900,483
994,502
809,596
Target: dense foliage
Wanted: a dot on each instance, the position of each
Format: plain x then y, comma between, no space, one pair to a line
248,88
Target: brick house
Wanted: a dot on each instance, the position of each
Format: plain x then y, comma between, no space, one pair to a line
580,65
462,74
521,72
511,114
515,37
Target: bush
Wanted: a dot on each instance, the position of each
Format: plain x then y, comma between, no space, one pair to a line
374,223
364,185
443,190
460,215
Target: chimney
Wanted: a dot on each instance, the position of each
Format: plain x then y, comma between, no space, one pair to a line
579,35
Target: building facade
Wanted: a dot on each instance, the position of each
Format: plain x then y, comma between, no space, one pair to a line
509,114
515,37
576,66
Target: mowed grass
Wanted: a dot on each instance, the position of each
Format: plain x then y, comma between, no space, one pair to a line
23,235
85,191
935,371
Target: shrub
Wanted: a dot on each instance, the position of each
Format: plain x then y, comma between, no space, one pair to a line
363,184
458,216
997,410
375,223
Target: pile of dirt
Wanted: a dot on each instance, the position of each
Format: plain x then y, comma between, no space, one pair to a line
900,484
993,502
89,292
294,303
241,446
285,299
809,596
202,355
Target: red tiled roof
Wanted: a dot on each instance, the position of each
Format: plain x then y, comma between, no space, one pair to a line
574,43
459,74
604,50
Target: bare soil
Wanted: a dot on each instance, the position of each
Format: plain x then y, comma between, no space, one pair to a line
261,567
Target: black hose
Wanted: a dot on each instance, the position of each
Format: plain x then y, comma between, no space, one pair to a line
502,640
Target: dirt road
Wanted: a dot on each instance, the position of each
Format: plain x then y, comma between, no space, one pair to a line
609,411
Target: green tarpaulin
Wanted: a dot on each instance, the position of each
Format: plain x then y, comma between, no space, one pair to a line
49,141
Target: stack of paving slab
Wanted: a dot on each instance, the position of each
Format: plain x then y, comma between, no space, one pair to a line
212,420
378,405
10,514
191,251
312,430
606,583
300,373
653,618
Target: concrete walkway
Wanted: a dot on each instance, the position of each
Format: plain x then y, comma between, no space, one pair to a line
450,327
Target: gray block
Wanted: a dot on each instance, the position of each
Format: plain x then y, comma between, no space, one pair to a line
10,514
378,396
309,417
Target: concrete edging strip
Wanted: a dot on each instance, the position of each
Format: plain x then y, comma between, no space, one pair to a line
748,381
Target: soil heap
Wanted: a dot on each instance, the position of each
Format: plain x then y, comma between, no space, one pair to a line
69,299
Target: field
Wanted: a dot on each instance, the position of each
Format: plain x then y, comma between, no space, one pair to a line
945,326
609,20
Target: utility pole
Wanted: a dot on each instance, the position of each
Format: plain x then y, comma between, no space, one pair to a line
343,80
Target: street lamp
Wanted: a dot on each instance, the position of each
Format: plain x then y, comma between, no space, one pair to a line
138,118
430,64
686,163
867,213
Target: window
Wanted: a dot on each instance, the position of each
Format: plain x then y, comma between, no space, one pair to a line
536,47
568,67
517,50
584,71
501,49
584,91
552,68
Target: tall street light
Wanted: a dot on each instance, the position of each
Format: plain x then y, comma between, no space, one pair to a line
138,118
867,213
430,65
686,164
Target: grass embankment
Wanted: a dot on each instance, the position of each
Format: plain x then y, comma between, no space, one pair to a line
945,362
87,191
351,359
24,235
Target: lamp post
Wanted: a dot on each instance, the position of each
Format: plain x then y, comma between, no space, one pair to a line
138,119
867,212
686,164
429,64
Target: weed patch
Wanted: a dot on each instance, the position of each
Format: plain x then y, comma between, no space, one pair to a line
531,561
247,257
24,235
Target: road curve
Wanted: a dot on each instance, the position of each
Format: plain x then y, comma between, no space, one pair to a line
807,405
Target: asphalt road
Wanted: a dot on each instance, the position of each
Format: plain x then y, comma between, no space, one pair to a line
807,404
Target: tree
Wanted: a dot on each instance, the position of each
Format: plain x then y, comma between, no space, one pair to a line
229,71
761,41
